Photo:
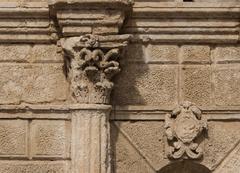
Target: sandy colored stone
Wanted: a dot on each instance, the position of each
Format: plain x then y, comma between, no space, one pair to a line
222,138
195,54
32,83
196,85
146,85
162,53
50,138
225,53
90,151
147,138
177,51
45,53
227,81
13,137
30,53
34,167
126,158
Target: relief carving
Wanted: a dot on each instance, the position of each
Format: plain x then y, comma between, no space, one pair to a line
183,126
90,68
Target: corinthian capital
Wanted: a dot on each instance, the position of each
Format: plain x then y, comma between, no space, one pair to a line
92,61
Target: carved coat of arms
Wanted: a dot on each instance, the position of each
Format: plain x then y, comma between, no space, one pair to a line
183,126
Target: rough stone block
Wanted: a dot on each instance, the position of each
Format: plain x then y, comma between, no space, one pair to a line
227,54
162,53
195,54
29,53
50,138
13,138
227,81
146,85
32,83
34,167
196,84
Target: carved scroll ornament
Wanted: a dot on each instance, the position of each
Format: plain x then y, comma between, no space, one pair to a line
183,126
90,68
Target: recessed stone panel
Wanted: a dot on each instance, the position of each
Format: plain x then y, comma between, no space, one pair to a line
32,83
227,81
195,54
162,54
196,85
13,138
227,54
146,85
50,138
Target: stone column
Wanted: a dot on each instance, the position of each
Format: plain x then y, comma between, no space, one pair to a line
91,66
92,47
90,140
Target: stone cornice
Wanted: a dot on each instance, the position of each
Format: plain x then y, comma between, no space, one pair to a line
26,23
89,17
184,22
165,22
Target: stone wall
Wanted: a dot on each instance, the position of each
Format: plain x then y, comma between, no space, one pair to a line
171,52
33,141
161,77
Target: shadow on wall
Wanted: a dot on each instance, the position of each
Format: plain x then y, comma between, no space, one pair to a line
130,80
126,89
184,167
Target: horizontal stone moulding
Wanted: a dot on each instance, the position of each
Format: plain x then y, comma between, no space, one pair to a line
186,10
120,4
26,23
53,108
160,116
186,38
180,30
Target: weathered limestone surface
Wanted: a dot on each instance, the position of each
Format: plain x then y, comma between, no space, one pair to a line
90,150
28,53
13,135
32,83
50,138
149,84
90,86
34,166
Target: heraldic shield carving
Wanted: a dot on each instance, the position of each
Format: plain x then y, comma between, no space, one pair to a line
183,126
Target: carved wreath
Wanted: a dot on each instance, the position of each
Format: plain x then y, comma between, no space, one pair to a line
183,126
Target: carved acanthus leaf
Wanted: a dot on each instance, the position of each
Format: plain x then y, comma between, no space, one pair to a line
91,68
182,127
